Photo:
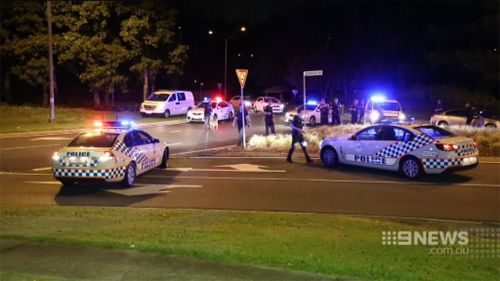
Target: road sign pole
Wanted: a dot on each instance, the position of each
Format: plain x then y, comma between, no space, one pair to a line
304,91
242,75
243,115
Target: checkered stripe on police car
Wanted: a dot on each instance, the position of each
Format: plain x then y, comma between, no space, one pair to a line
397,149
81,173
441,163
131,152
466,149
94,162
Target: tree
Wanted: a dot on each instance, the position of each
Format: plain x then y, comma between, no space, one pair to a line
148,32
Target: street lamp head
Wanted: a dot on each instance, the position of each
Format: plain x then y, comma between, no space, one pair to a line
243,29
210,32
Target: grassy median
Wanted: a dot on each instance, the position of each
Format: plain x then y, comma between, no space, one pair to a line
27,118
329,244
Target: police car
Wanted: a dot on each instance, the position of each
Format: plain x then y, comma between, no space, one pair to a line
378,109
112,152
311,116
221,109
411,150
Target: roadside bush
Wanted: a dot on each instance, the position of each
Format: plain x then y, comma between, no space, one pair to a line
488,139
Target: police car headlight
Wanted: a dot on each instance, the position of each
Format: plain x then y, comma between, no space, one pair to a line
374,116
282,106
402,116
106,156
56,156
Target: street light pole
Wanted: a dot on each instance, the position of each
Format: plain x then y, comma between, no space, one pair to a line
225,68
51,65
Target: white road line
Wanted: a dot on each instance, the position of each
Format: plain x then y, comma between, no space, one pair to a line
202,150
150,189
174,144
320,180
42,169
50,139
45,182
28,147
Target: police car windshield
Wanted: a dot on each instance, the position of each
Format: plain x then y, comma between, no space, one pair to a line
157,97
95,139
389,106
434,132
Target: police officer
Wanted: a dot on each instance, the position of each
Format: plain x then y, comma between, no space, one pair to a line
207,114
469,113
238,120
298,137
269,119
354,111
324,110
336,112
361,112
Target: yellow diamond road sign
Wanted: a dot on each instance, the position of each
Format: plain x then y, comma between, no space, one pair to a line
242,76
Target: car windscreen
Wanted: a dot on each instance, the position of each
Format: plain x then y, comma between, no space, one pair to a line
434,132
157,97
389,106
95,139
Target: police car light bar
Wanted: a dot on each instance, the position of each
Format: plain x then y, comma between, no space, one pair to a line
123,124
377,98
312,102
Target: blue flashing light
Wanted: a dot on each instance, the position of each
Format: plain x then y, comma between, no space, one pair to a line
312,102
127,123
377,98
206,99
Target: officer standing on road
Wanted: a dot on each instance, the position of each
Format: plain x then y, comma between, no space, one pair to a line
207,114
469,113
439,108
238,120
269,119
298,137
336,112
324,110
354,111
361,112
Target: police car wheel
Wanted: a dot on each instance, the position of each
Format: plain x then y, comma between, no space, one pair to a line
312,120
329,157
129,179
67,182
164,160
411,168
167,113
490,125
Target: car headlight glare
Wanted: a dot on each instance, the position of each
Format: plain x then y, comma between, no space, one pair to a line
56,156
402,116
374,116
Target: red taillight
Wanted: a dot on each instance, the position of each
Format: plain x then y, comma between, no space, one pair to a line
446,146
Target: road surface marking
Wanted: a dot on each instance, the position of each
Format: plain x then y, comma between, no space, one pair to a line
42,169
45,182
28,147
150,189
241,168
50,139
202,150
322,180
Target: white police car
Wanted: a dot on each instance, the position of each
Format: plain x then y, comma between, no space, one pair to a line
378,109
112,152
311,116
410,149
221,109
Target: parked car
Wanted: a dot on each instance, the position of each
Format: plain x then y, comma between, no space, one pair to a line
275,103
458,117
167,103
311,115
236,102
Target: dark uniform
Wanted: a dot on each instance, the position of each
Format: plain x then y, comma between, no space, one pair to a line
269,119
469,113
207,114
361,112
354,113
242,115
335,113
324,111
297,137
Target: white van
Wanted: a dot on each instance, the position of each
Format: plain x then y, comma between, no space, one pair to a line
167,103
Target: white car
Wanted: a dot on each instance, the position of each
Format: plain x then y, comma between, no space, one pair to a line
381,110
167,103
262,102
411,150
113,152
236,102
458,117
311,116
221,110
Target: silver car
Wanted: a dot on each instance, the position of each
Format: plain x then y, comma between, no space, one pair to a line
458,117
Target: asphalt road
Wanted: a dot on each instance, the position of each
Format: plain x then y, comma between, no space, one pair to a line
268,184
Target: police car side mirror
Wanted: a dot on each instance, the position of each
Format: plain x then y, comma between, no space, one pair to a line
156,140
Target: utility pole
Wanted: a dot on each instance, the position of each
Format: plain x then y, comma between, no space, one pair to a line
51,65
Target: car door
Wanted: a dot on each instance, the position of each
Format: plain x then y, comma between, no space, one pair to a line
363,144
147,157
182,103
456,117
173,104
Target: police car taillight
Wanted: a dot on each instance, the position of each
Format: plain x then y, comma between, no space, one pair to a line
106,156
446,146
97,124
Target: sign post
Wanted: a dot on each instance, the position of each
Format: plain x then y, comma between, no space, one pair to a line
242,75
309,73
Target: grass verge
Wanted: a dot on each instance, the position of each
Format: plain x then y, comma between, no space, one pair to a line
488,139
329,244
27,118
